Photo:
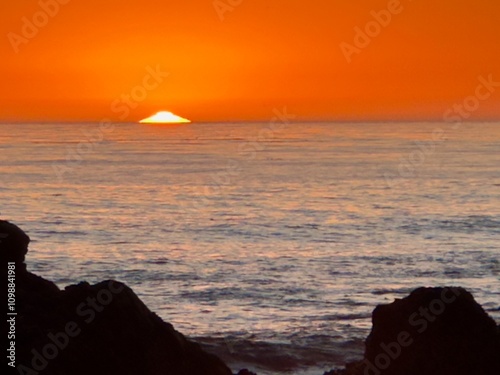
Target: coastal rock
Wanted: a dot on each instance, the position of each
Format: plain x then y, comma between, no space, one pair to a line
13,248
14,243
106,329
433,331
93,329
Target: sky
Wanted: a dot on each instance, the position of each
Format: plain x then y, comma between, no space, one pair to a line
239,60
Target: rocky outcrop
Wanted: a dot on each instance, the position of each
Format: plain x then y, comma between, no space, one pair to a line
433,331
92,329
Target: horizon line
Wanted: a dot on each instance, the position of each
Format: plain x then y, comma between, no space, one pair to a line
305,121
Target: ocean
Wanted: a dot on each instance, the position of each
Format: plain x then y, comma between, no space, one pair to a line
269,243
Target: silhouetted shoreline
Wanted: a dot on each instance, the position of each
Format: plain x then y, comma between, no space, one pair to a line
106,329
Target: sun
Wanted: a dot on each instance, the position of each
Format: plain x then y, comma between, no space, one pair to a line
164,117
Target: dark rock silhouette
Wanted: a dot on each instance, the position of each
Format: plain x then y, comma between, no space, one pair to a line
14,243
93,329
433,331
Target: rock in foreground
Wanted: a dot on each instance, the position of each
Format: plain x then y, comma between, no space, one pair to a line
433,331
101,329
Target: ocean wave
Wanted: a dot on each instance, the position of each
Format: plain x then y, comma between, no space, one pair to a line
288,354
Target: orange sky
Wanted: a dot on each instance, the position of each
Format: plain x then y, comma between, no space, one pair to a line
263,54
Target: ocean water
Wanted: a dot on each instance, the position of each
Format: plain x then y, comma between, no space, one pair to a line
269,244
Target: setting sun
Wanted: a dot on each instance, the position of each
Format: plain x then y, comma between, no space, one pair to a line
165,117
